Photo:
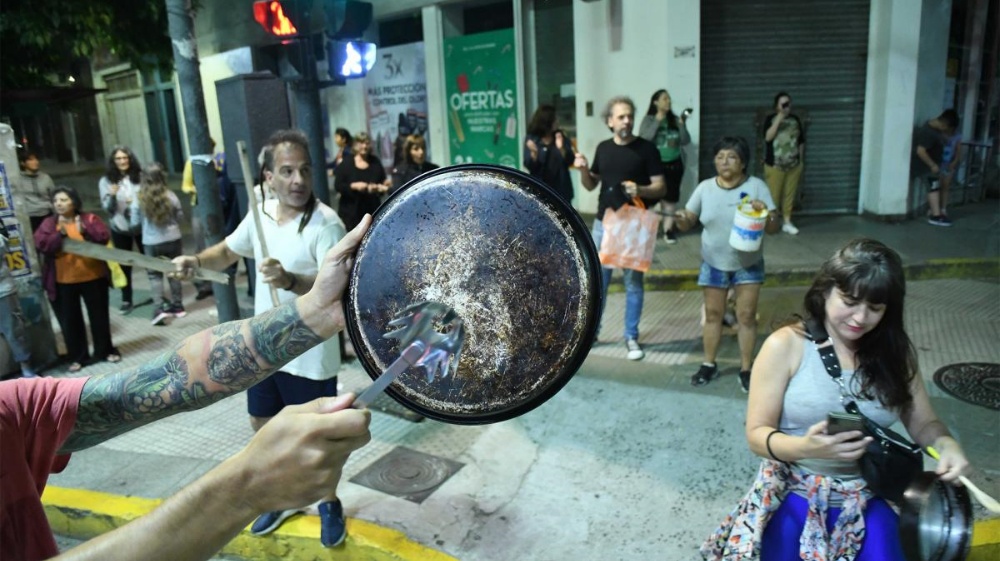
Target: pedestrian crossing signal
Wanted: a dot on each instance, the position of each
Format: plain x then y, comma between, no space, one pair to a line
274,17
350,59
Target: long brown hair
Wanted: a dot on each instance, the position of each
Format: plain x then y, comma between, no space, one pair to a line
869,270
154,199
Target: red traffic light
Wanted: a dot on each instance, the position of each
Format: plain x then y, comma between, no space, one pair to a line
272,16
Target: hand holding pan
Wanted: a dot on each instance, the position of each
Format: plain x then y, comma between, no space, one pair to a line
437,352
511,258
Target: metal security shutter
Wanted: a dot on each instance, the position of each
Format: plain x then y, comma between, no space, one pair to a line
817,52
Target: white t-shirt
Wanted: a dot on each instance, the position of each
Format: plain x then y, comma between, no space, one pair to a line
716,208
299,253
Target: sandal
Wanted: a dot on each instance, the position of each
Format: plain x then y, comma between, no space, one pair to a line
75,367
114,358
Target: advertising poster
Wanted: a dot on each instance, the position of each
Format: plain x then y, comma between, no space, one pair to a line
6,199
396,100
16,256
481,85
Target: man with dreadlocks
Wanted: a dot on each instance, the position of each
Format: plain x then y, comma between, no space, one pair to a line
299,229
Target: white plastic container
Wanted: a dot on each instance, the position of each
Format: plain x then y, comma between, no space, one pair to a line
748,228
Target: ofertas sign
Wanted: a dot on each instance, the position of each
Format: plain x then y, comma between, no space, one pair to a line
481,81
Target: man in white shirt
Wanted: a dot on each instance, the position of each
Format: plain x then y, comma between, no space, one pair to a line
298,230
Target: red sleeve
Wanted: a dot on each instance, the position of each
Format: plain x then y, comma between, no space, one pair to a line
97,231
48,240
36,417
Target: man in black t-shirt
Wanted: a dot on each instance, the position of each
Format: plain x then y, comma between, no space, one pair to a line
925,167
625,166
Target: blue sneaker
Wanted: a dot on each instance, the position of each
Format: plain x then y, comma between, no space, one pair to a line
333,529
269,521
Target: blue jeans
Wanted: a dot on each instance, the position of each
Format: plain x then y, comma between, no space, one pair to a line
633,289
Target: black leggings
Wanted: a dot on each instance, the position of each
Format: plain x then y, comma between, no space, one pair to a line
94,295
125,240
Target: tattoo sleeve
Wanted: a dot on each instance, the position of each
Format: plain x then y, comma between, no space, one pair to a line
201,370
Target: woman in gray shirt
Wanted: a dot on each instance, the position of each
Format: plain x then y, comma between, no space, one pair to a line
118,188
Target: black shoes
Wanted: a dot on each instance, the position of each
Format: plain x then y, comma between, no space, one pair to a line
745,381
706,373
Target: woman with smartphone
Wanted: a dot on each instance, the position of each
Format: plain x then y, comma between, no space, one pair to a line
809,495
784,148
669,133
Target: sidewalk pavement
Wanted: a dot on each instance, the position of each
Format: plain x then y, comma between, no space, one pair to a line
628,461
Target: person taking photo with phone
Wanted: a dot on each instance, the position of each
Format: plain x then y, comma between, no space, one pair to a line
809,496
784,151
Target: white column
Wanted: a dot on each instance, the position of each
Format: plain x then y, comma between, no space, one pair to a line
890,100
437,102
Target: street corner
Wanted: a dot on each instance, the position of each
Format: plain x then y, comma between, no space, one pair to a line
83,514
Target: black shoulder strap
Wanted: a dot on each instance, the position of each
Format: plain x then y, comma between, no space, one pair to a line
817,334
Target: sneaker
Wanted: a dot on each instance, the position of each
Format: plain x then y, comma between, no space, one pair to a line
705,374
944,220
160,315
333,529
177,311
269,521
789,228
125,308
634,350
745,380
671,237
939,220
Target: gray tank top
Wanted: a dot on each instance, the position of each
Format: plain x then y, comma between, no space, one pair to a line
811,394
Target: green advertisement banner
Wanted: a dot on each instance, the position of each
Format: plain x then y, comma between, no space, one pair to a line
481,85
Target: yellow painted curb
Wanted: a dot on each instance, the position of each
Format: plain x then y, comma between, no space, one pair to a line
85,514
985,541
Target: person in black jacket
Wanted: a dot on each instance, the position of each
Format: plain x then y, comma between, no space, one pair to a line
414,161
361,181
548,152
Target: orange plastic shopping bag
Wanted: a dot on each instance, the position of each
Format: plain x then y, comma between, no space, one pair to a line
629,237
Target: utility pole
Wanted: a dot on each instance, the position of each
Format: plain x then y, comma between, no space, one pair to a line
180,18
309,114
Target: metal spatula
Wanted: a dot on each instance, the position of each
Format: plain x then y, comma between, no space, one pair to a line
437,351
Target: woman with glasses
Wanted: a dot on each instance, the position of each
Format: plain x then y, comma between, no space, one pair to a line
714,203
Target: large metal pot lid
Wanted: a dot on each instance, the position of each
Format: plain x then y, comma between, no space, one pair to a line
516,263
935,520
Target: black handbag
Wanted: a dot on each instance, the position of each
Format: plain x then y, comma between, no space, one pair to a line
891,462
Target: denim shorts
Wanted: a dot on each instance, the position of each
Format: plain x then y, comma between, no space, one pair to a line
714,278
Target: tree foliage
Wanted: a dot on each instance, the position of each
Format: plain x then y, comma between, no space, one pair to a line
40,39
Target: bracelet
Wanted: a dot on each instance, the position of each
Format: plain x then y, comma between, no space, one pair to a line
198,259
291,285
767,442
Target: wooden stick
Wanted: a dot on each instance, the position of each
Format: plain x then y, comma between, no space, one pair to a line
249,180
134,259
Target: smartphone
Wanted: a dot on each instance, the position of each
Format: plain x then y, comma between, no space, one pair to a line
837,422
687,112
785,105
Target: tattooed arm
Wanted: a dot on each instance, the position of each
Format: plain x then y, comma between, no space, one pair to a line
295,459
217,362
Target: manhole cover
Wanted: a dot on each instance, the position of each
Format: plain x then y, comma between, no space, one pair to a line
977,383
408,474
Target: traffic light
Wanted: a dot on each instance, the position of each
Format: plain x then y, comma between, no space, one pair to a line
276,16
350,59
347,19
